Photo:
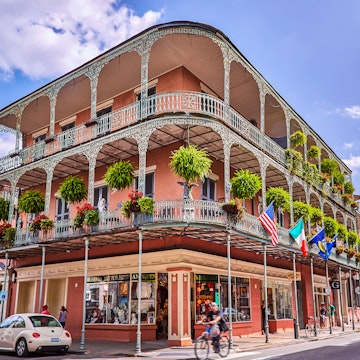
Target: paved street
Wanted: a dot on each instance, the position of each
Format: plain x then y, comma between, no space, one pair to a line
282,345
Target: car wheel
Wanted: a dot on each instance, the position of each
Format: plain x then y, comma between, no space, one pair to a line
21,348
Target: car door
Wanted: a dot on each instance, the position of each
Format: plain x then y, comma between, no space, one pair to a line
6,331
13,331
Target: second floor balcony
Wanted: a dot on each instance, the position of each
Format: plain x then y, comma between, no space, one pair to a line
198,219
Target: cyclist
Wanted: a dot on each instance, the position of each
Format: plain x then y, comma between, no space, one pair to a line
215,316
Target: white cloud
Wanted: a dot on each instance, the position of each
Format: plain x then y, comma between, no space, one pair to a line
348,145
353,162
353,112
49,38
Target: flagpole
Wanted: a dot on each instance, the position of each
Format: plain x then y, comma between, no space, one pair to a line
266,299
313,293
341,307
352,299
296,323
328,295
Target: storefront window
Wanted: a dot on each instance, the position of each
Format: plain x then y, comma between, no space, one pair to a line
147,298
279,297
205,294
208,289
108,299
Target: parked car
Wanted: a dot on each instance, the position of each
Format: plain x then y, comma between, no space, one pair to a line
25,333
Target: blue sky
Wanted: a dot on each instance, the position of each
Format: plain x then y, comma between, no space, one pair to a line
308,50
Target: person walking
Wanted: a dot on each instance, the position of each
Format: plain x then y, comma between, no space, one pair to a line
332,314
62,315
322,315
45,310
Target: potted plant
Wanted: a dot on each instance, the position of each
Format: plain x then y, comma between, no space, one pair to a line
297,138
230,207
353,238
41,222
357,257
342,232
330,226
339,249
301,210
314,153
86,214
91,217
244,185
191,164
4,209
316,216
279,197
120,175
350,252
9,236
32,201
137,203
294,160
73,189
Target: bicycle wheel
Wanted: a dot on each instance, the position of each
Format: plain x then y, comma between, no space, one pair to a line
318,328
224,346
308,330
201,348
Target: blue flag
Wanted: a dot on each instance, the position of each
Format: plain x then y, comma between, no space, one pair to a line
324,246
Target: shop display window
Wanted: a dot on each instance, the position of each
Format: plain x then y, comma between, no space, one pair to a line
205,293
107,299
214,288
147,291
279,297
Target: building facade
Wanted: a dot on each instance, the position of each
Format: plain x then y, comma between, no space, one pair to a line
174,84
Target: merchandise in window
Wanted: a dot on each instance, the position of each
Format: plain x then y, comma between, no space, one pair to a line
240,309
205,294
107,299
279,297
147,306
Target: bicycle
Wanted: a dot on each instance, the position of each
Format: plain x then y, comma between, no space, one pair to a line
202,346
310,328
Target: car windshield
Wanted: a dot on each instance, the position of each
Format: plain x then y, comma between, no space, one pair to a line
44,321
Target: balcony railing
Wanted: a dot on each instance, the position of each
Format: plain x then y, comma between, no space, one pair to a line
167,213
186,101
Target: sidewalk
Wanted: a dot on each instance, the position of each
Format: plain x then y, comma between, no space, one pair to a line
159,349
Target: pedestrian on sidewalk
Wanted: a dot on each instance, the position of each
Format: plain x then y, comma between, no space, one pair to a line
62,316
332,314
322,315
45,310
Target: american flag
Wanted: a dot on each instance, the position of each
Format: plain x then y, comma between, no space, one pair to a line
267,220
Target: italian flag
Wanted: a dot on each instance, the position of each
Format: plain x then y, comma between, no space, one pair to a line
298,234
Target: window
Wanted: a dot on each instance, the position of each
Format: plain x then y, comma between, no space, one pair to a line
280,217
101,192
112,299
67,136
151,103
104,121
240,307
149,184
39,147
279,298
208,190
206,293
62,210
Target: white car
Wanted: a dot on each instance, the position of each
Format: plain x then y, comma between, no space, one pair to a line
25,333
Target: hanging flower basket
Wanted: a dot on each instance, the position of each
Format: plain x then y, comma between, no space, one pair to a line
350,252
134,207
230,208
339,250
